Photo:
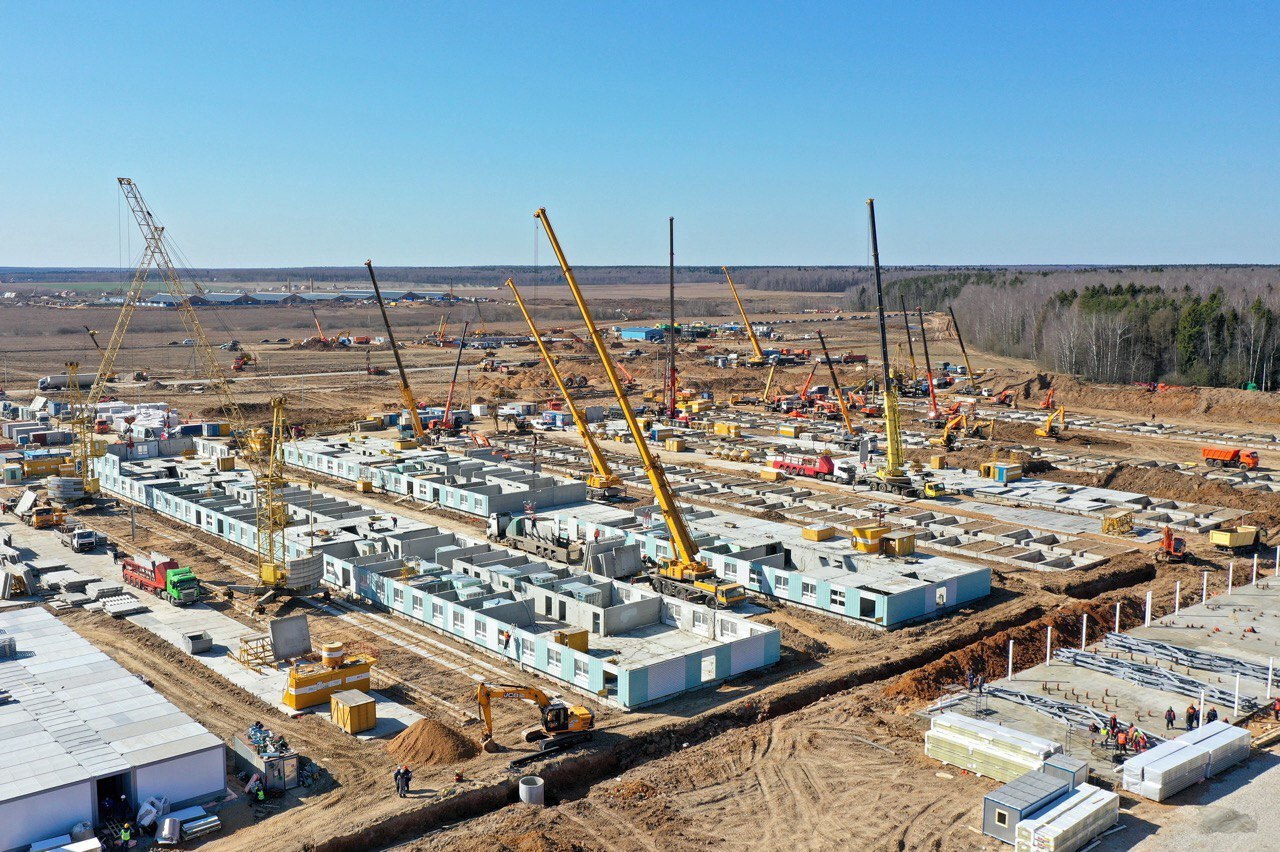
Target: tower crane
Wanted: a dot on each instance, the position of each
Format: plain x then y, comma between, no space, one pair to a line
602,481
683,575
260,448
406,394
758,359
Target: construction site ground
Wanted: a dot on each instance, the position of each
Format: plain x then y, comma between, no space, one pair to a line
758,762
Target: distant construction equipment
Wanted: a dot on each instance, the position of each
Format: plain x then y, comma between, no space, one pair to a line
406,394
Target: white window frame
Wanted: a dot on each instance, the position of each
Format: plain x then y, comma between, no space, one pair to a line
555,660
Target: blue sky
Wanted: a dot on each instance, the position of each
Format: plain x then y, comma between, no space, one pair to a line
273,134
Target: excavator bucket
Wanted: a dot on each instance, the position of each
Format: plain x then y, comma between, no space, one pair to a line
491,746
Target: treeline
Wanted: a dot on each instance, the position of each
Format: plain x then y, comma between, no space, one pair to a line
1215,326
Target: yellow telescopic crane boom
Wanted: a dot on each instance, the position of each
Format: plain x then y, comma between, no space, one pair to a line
602,480
685,566
406,394
260,448
892,472
835,385
757,360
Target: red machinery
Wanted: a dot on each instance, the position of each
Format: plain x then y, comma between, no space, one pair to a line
820,467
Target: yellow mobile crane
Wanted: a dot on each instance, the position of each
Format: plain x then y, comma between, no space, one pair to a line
892,477
683,576
406,394
602,482
835,386
758,359
260,448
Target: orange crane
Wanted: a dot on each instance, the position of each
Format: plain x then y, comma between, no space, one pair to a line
1047,402
835,386
934,417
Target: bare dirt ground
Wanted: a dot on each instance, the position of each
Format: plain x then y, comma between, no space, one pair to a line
772,758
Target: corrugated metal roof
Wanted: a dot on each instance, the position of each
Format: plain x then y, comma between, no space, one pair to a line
1028,790
78,714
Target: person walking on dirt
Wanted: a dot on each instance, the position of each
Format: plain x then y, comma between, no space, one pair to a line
1169,718
398,776
406,778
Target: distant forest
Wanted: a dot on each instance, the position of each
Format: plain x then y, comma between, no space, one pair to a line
1205,325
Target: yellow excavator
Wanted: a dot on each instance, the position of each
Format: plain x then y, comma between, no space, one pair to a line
563,724
683,575
1054,425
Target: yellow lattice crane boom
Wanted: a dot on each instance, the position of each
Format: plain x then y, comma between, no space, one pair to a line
693,579
758,358
260,448
602,480
406,393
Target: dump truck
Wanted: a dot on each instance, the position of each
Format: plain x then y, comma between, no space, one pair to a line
533,534
162,577
44,517
1227,457
817,467
79,539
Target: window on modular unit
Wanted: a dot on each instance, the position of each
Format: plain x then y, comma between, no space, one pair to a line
553,659
729,627
1002,818
459,621
780,582
730,572
437,611
397,595
581,671
809,590
837,598
867,607
417,604
481,628
699,619
755,577
527,649
940,595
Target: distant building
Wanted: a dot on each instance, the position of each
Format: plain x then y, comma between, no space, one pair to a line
644,333
229,299
287,299
164,300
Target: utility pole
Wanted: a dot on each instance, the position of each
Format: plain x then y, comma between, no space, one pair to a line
671,329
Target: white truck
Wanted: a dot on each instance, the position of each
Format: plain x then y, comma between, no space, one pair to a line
79,539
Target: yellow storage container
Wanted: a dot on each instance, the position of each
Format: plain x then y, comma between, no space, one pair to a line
938,462
867,539
899,542
404,444
364,486
817,532
675,445
791,430
313,683
225,463
728,430
771,474
353,711
578,640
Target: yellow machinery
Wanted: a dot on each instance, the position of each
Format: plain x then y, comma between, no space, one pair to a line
757,359
313,683
84,448
1054,425
562,725
601,482
1118,523
835,387
1236,539
260,448
682,576
956,425
406,395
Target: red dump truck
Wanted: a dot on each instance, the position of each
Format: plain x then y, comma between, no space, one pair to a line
1224,457
163,578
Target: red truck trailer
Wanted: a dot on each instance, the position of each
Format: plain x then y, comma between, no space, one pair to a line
163,578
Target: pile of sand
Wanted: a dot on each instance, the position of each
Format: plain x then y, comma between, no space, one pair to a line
429,743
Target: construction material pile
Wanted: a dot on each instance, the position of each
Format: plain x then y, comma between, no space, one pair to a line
1175,765
1071,822
985,748
154,416
428,743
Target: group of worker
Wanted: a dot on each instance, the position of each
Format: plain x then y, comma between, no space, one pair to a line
1122,739
1193,716
111,809
403,776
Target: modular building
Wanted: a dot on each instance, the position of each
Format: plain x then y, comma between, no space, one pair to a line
774,560
625,644
642,333
79,728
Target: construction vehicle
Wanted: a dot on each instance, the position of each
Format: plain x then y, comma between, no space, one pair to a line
1172,548
1226,457
261,448
43,517
1047,402
835,387
1005,397
757,358
533,534
80,539
683,575
1054,425
406,393
162,577
369,369
447,422
1241,539
954,427
562,724
1118,523
602,482
817,467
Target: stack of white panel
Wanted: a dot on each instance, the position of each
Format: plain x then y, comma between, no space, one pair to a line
1167,769
1227,745
985,748
1071,822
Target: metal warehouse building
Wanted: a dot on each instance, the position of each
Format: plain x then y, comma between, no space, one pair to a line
78,727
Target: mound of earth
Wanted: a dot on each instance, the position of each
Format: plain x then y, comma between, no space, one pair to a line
429,743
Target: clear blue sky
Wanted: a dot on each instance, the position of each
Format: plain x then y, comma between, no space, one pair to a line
274,134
